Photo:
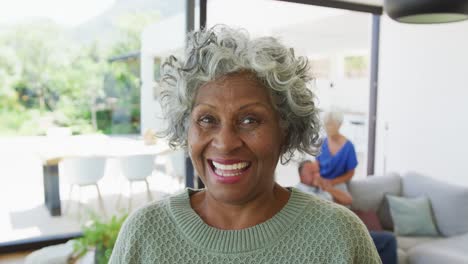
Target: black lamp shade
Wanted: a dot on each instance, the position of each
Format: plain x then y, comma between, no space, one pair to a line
426,11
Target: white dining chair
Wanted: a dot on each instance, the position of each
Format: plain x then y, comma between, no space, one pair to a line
176,165
137,168
81,172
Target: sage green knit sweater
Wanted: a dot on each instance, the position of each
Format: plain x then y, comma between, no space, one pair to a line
306,230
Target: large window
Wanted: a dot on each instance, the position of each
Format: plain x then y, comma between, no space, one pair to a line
72,85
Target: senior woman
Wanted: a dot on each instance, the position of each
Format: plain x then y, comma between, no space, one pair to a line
239,105
337,158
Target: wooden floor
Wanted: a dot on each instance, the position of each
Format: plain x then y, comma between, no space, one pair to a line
139,198
13,258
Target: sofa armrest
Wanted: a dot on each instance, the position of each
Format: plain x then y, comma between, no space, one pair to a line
453,250
449,202
368,193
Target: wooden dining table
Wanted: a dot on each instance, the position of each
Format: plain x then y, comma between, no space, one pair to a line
54,149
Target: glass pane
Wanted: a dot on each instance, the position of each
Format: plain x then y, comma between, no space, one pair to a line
72,84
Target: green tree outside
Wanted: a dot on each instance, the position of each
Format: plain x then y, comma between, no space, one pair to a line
47,79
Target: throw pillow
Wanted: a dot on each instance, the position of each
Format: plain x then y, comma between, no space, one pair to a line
370,219
449,202
384,214
412,216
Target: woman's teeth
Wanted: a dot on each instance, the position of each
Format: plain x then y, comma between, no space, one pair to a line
226,174
228,170
235,166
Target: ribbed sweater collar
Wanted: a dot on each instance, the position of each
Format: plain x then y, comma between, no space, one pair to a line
234,241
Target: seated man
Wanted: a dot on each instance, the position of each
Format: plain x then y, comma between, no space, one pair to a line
312,182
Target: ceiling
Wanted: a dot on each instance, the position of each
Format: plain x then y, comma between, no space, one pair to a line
343,33
311,30
369,2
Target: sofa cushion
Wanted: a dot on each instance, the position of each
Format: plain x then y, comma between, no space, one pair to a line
368,193
453,250
384,214
370,219
412,216
449,202
407,242
402,256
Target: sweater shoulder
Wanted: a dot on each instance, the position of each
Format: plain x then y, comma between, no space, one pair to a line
329,207
337,229
146,219
151,209
146,226
333,214
334,220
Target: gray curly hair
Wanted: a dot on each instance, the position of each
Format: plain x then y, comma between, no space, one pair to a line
220,51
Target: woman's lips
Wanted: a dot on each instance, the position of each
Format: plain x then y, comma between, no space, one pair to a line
228,171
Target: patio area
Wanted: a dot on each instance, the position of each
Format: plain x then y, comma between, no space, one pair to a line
22,211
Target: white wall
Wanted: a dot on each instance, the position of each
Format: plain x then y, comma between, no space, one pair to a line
423,99
157,41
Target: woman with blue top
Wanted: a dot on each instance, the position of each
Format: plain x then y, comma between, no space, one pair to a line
338,157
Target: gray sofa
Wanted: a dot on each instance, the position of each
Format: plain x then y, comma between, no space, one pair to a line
450,211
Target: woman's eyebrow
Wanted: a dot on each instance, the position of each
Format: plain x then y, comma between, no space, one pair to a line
254,104
200,104
240,108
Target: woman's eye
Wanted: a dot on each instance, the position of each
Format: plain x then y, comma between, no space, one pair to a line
206,120
249,121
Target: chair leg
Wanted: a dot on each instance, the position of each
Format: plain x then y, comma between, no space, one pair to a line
148,191
130,196
68,205
117,206
79,202
100,200
180,181
98,191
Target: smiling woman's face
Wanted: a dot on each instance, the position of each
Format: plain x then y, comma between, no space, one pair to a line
235,138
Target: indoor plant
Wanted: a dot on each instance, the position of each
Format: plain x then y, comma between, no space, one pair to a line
99,235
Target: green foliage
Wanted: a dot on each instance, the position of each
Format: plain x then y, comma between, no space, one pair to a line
48,79
356,62
99,235
14,124
355,66
131,26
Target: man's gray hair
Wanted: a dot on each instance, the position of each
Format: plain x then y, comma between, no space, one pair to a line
302,164
220,51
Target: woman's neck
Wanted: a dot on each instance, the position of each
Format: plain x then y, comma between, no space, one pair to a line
239,216
336,137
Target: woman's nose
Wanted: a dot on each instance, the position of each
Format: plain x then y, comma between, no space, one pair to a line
227,139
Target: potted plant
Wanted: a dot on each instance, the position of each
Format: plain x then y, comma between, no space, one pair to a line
99,235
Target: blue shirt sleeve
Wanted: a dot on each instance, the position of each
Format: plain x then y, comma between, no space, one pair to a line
351,162
343,161
324,154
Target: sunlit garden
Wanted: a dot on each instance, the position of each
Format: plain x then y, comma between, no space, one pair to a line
53,76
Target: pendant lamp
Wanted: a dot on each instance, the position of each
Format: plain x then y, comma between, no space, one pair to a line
426,11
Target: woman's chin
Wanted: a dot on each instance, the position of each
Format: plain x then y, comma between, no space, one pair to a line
234,196
232,190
